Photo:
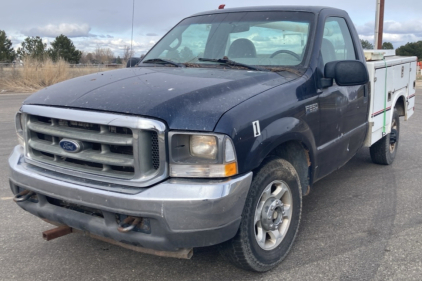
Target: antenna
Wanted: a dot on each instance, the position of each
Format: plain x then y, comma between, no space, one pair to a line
131,38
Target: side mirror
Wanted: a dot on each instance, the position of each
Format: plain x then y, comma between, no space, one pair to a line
347,72
132,62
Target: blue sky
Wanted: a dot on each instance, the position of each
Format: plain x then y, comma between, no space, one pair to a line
107,24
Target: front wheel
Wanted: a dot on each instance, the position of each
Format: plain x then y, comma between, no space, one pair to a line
384,151
270,218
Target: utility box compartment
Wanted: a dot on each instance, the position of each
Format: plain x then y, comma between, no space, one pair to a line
392,80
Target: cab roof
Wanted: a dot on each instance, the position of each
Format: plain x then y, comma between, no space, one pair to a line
312,9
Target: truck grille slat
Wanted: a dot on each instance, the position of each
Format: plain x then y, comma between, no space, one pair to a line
88,155
114,148
84,135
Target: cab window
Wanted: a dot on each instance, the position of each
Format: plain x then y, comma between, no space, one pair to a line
337,42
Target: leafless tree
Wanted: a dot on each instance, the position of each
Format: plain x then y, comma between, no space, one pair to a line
90,58
87,58
127,53
103,55
109,55
99,54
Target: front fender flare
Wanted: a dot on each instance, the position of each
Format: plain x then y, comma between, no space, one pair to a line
278,132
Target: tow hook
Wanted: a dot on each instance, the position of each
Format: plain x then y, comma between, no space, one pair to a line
131,221
23,196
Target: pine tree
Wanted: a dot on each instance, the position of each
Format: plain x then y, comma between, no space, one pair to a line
33,47
7,53
62,47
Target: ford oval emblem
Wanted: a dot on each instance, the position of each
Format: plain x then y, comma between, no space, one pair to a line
70,145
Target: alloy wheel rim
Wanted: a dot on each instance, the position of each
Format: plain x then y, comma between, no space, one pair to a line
273,215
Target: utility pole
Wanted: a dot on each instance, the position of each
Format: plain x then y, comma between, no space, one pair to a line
379,24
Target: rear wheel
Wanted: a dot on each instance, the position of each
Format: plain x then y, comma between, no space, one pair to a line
270,219
384,151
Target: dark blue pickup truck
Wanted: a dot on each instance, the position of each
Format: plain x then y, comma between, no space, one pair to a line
212,138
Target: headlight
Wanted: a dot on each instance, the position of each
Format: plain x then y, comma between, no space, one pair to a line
201,155
19,128
203,146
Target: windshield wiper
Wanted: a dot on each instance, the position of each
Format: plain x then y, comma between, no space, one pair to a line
226,61
162,61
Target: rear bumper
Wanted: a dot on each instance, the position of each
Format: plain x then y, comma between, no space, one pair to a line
183,213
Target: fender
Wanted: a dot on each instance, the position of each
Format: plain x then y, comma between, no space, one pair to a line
396,96
394,103
399,93
281,116
279,132
251,151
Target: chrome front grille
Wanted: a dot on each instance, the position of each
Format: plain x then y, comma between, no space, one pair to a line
109,149
116,148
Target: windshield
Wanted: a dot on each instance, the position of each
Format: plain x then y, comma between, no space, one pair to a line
267,39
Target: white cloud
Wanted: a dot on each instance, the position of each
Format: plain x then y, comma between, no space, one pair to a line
406,27
398,33
366,29
68,29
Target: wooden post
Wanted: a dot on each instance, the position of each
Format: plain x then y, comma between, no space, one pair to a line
379,24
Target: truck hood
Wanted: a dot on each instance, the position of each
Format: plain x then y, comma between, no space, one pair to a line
185,98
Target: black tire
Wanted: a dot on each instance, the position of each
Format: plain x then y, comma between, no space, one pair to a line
384,151
243,250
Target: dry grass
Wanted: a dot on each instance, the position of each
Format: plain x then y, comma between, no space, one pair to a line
35,75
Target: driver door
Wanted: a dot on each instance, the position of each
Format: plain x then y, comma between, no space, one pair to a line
343,109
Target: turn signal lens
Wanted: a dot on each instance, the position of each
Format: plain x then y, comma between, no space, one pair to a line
204,171
197,171
231,169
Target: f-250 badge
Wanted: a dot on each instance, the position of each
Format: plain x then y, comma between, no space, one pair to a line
311,108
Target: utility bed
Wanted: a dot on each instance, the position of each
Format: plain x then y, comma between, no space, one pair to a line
386,88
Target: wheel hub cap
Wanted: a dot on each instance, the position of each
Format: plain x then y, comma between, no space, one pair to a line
272,214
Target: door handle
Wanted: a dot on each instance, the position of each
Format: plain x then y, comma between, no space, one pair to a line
365,93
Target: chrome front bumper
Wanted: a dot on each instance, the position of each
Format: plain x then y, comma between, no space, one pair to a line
184,213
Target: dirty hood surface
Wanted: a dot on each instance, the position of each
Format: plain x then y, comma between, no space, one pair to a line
185,98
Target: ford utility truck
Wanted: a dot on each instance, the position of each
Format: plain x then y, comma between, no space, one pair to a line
214,136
